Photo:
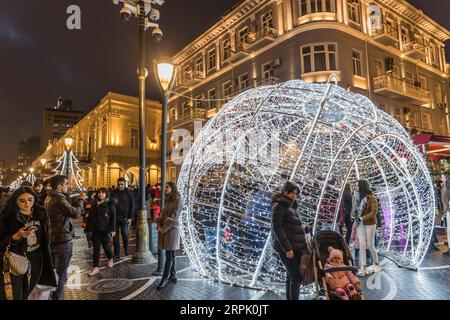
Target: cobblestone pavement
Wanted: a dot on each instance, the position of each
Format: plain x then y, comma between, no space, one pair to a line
126,281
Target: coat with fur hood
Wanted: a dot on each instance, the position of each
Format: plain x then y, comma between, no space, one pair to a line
288,233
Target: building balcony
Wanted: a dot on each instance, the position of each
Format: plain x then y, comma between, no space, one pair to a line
317,16
262,38
194,114
241,51
192,78
263,82
415,49
386,35
392,87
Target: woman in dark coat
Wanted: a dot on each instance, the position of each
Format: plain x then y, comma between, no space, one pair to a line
347,201
24,228
102,223
288,236
169,232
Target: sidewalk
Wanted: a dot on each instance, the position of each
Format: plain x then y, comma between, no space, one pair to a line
126,281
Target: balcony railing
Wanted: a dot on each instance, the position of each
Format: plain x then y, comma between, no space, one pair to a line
192,78
262,38
194,114
253,84
415,49
241,50
391,86
387,35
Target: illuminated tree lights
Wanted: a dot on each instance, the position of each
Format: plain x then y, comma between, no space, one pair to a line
68,166
318,135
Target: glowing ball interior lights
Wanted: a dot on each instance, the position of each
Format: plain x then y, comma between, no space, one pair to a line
318,135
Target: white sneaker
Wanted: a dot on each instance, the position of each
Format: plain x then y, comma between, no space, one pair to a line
370,269
375,268
361,272
94,272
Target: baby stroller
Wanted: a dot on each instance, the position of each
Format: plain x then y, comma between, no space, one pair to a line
320,244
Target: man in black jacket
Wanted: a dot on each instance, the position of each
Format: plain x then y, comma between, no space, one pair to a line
61,213
125,206
288,236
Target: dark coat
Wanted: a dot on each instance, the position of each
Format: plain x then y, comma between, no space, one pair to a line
287,230
169,222
125,205
102,216
61,213
347,200
9,225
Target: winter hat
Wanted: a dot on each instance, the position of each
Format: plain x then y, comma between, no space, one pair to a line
335,253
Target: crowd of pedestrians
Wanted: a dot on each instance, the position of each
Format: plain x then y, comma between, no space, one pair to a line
37,232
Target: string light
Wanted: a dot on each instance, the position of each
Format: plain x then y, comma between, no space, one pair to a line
72,163
321,137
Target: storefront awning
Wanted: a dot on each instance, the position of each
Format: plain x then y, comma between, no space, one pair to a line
438,147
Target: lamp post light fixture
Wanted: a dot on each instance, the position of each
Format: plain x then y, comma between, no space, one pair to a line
68,143
144,11
43,163
165,72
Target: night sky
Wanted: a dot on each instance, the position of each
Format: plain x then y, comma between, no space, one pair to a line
40,59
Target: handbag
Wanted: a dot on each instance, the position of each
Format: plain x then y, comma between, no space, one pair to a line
307,264
18,264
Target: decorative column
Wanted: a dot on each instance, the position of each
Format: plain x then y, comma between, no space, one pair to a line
218,55
280,20
288,14
345,11
339,11
364,16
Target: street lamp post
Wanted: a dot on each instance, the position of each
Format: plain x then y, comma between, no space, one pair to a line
43,162
143,10
165,72
68,143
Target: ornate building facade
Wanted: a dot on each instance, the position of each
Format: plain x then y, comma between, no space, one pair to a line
106,142
386,50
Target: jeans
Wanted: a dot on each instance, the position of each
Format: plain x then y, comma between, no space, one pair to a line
293,278
61,255
367,233
169,267
100,238
121,228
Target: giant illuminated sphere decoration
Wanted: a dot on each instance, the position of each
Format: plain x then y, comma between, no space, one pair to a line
318,135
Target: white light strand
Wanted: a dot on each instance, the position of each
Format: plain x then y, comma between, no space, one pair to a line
269,134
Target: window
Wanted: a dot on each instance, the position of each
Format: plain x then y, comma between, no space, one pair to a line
172,114
185,108
319,57
104,136
379,68
409,77
267,20
134,138
227,90
211,59
244,81
243,35
267,70
226,49
427,121
187,73
405,38
433,53
438,93
423,83
357,64
198,65
199,100
173,174
354,11
212,98
313,6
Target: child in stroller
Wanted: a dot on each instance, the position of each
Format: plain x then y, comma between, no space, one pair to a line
344,282
334,271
